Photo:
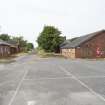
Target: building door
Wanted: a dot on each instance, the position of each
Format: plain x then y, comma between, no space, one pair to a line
87,52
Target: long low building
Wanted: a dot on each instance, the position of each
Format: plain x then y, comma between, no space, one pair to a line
4,49
88,46
14,48
8,48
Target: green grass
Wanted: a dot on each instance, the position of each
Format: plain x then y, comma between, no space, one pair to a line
43,54
10,59
6,60
46,55
96,59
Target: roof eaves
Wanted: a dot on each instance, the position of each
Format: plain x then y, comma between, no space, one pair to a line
94,34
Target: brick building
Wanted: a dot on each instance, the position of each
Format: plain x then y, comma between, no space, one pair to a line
88,46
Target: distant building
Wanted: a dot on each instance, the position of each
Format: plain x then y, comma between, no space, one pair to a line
4,49
8,48
88,46
14,48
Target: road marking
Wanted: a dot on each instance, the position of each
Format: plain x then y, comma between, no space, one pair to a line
91,77
82,83
79,77
4,83
18,87
48,78
31,102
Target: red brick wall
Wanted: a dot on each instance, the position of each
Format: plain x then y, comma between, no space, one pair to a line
89,48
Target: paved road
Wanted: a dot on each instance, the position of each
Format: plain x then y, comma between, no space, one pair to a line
52,81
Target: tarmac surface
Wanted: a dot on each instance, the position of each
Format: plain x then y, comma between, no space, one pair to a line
52,81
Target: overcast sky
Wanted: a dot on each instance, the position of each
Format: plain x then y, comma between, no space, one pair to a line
72,17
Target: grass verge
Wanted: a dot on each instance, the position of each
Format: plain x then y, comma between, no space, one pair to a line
11,59
43,54
7,60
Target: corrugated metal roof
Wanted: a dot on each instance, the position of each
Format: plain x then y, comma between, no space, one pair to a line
12,43
4,43
79,40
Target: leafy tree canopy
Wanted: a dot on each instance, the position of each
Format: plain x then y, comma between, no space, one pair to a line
24,44
30,46
50,39
5,37
20,40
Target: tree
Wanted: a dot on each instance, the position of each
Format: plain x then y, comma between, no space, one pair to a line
20,40
23,44
5,37
50,39
30,46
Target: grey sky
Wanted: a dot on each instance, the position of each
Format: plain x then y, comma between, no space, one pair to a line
72,17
